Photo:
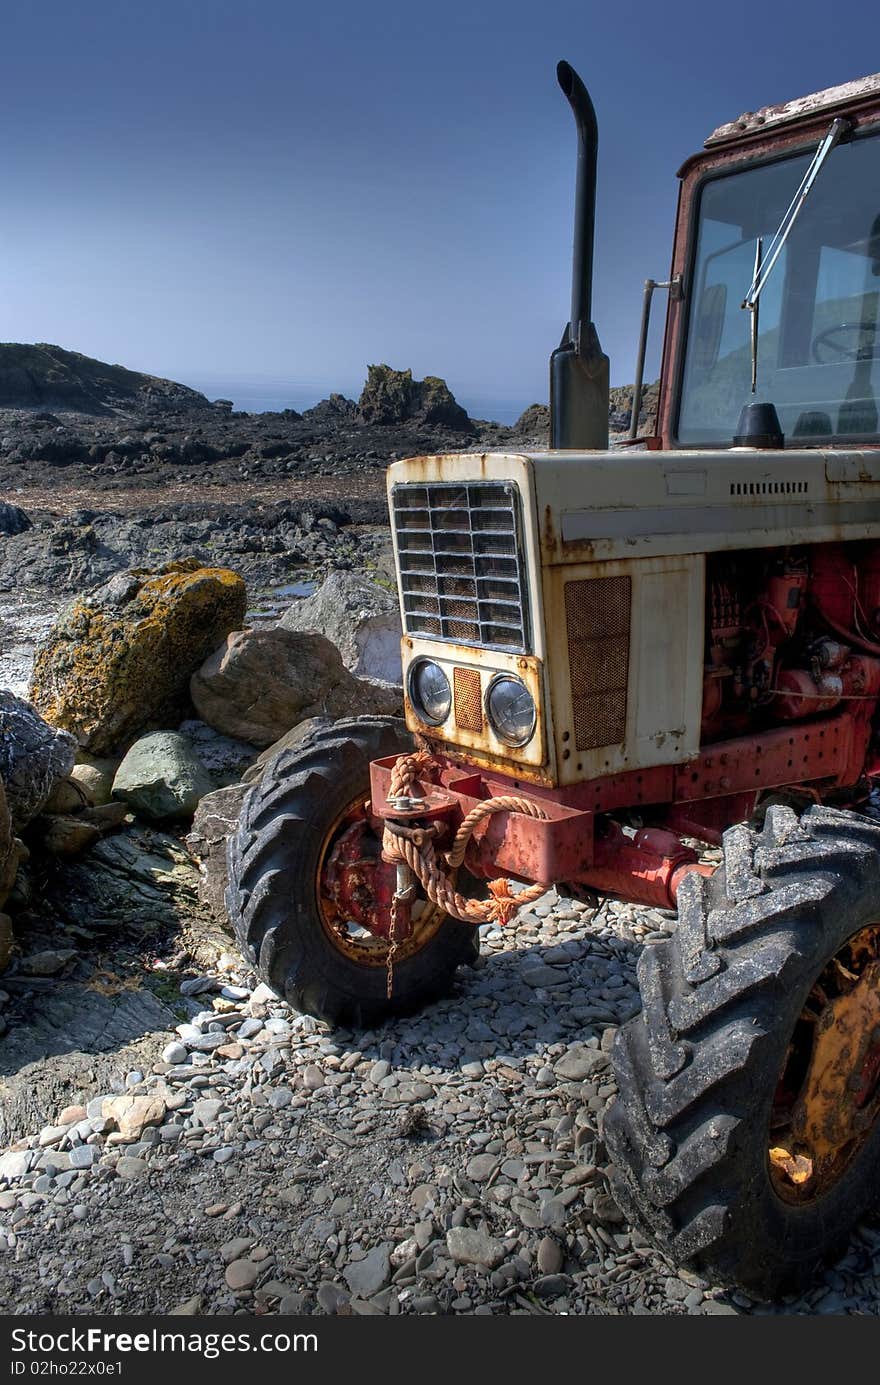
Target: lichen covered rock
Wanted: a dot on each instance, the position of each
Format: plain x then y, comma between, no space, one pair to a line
118,660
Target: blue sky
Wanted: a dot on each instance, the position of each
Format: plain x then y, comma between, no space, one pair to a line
240,191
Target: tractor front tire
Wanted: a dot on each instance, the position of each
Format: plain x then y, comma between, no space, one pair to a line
290,821
745,1138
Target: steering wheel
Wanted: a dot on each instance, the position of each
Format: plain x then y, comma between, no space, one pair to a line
838,350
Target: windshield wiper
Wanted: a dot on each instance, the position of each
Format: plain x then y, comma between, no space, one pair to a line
839,127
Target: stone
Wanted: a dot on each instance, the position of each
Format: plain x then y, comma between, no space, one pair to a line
216,818
161,777
260,683
549,1256
313,1077
174,1053
236,1248
371,1274
72,1115
359,617
225,759
14,1164
118,660
580,1063
132,1114
61,835
129,1167
95,776
47,963
206,1111
468,1246
241,1274
481,1167
189,1308
83,1156
34,756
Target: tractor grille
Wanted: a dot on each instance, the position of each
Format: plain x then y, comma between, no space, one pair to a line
597,616
468,699
462,572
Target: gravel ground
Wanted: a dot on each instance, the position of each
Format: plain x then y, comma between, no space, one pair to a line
448,1163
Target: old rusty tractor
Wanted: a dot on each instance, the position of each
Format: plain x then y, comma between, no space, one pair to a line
612,657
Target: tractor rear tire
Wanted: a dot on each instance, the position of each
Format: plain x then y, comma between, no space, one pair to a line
725,1034
274,900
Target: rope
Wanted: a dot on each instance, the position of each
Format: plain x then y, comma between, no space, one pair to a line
434,876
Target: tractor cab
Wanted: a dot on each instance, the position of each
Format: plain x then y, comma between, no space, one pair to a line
786,200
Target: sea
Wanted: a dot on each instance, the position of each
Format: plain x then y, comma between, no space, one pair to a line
266,394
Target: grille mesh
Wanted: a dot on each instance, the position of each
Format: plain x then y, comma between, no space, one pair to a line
597,616
468,700
462,573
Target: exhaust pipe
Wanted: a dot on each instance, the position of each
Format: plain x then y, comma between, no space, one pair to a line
579,377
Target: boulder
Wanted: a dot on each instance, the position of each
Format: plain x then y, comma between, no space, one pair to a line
161,777
12,519
260,683
215,820
394,397
360,618
118,661
33,758
224,758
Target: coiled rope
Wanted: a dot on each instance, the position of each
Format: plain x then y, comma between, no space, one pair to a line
436,874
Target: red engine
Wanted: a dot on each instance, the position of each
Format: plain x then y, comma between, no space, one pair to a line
790,634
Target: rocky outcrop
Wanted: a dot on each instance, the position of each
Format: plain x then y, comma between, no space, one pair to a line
260,683
393,397
41,376
118,661
33,758
161,777
360,618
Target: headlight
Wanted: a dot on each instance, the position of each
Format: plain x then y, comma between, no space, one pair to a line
510,708
429,692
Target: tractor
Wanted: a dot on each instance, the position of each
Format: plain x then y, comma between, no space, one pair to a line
616,659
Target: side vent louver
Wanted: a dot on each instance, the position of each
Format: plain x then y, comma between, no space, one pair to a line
597,615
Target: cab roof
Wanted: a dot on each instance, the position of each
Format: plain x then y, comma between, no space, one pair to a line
803,107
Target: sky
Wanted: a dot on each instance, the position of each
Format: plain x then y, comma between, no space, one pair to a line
261,197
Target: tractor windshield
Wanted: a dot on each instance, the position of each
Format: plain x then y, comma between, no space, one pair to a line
819,325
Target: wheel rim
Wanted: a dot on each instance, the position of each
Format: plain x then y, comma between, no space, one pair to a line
353,884
828,1096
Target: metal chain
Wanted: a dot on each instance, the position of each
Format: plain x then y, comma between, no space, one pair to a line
392,949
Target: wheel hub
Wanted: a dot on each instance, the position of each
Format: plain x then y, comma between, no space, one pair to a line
829,1094
357,885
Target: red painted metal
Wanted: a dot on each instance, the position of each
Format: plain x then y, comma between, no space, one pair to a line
708,818
646,868
357,886
832,751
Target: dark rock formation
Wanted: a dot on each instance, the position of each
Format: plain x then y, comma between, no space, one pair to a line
393,397
43,376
